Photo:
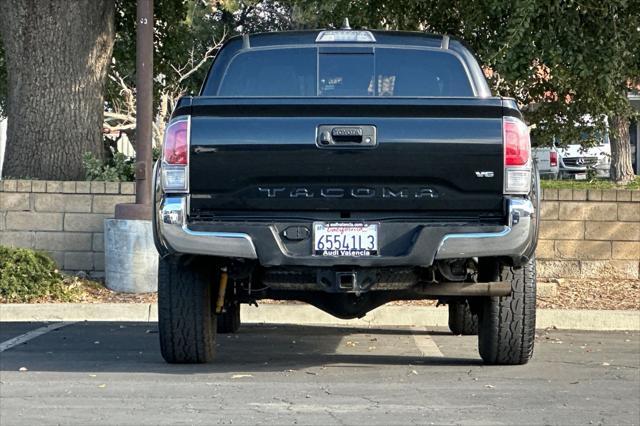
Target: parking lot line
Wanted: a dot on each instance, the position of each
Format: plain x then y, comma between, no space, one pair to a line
8,344
425,343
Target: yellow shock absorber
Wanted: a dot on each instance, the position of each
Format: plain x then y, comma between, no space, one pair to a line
224,277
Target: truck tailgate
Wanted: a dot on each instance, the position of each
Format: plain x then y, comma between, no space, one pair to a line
261,154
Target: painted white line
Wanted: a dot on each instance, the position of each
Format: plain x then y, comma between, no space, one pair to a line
425,344
8,344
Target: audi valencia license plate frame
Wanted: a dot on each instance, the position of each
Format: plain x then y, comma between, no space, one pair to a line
345,239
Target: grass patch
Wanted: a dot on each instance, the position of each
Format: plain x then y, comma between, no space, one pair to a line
28,276
588,184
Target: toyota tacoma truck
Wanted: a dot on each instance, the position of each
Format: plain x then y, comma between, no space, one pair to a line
346,169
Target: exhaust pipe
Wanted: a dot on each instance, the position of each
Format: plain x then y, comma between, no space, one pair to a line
489,289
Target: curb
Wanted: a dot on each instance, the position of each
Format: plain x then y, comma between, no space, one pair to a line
68,312
418,316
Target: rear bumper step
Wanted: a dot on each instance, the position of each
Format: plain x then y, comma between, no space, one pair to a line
401,244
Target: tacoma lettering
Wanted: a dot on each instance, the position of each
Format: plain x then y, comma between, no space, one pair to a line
364,192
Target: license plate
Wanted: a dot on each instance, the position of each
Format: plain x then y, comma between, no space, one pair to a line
580,176
345,239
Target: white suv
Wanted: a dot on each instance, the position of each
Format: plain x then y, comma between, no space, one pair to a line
576,161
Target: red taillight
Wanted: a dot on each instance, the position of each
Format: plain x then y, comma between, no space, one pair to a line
517,147
553,158
517,157
176,143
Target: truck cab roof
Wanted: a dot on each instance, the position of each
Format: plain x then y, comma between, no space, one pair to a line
405,38
347,41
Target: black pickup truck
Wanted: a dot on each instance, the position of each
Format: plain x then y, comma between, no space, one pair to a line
346,169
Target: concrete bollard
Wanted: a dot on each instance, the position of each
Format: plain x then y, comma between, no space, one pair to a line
131,259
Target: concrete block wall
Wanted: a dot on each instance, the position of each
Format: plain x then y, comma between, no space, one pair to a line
592,234
64,219
589,234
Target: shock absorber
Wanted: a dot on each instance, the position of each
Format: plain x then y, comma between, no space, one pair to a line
224,277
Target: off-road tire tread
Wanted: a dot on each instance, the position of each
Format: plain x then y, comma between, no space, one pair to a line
507,324
186,321
461,320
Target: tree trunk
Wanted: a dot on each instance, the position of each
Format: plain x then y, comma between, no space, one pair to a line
621,168
57,57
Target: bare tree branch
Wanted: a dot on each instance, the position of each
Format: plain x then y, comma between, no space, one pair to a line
123,116
210,53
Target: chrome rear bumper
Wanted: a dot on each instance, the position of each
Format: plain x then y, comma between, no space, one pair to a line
514,239
427,243
177,237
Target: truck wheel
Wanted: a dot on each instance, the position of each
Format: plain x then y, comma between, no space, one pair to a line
186,320
507,324
229,319
461,319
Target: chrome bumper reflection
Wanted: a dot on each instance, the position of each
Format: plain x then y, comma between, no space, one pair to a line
177,237
513,240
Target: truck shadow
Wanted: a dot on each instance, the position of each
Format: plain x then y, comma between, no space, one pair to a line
133,347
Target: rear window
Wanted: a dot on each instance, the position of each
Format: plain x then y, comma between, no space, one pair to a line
345,72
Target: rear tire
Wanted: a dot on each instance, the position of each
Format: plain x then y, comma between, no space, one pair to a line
229,319
461,320
507,324
186,319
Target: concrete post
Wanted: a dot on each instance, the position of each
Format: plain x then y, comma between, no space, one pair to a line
131,258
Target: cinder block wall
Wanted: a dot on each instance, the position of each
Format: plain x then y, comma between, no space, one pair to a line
591,234
65,219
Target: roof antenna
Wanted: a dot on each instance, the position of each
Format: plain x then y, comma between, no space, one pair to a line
245,41
345,24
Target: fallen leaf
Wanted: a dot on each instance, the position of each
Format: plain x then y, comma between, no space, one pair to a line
241,376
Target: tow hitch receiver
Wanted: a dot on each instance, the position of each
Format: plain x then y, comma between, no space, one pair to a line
346,281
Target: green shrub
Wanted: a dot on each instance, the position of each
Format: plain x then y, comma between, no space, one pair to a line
118,168
28,276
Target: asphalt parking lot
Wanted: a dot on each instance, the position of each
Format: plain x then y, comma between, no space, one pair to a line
112,373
